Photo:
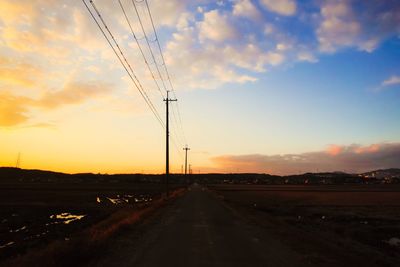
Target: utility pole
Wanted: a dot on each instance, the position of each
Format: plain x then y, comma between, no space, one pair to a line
186,150
167,100
18,160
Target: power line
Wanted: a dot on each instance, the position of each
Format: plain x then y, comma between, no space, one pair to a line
127,66
165,65
180,122
122,54
121,57
140,48
179,126
148,45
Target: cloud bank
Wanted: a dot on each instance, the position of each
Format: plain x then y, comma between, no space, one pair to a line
14,109
352,158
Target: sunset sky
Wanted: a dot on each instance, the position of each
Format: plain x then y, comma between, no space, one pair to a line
263,86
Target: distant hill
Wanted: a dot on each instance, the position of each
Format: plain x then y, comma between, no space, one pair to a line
8,174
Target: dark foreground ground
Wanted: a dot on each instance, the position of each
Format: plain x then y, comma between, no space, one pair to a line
198,230
335,225
218,225
223,227
36,215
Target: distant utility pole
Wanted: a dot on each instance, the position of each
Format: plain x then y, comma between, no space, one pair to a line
167,100
17,164
186,150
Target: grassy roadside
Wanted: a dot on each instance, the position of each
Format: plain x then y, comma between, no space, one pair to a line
87,246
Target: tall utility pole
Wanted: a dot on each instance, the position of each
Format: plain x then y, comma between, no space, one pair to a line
186,150
167,100
18,160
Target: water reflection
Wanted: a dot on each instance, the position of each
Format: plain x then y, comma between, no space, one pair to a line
18,230
7,245
126,199
66,217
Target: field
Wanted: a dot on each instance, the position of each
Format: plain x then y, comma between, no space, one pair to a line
69,219
34,213
354,223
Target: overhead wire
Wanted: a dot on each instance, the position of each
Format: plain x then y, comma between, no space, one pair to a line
140,48
146,37
122,59
148,45
165,67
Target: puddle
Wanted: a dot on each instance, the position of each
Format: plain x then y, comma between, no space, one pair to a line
115,200
122,199
18,230
66,217
7,245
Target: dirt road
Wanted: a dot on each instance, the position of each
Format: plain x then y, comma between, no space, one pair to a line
198,230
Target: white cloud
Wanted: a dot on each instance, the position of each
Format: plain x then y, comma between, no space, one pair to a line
249,57
282,46
184,20
338,27
216,27
269,29
245,8
166,13
307,56
206,47
275,58
364,27
209,65
393,80
210,55
282,7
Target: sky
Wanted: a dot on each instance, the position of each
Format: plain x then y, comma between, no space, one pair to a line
278,87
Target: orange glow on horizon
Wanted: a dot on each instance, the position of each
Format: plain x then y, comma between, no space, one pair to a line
334,150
